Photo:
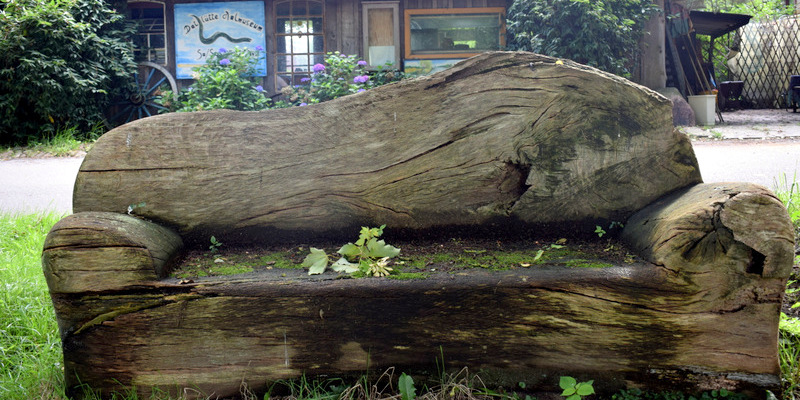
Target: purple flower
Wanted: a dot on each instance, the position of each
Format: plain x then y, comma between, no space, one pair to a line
259,88
361,79
222,50
318,68
224,61
304,80
362,63
303,104
361,90
259,48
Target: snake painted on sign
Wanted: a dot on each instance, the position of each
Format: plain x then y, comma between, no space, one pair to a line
214,37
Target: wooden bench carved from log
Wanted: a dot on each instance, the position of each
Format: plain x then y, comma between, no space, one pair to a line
503,141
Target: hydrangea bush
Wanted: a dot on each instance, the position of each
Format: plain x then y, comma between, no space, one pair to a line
226,81
341,75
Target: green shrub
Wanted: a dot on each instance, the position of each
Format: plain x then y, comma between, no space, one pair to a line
603,34
60,61
226,81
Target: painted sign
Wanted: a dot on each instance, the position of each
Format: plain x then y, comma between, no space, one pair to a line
203,28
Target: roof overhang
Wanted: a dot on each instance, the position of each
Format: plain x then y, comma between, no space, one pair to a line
717,24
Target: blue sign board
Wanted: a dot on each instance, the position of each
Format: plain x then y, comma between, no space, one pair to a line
203,28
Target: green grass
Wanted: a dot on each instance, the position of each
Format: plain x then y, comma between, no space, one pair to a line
30,348
63,143
788,191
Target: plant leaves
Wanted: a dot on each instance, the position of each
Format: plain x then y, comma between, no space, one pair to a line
342,265
379,249
567,382
585,388
316,261
407,389
350,251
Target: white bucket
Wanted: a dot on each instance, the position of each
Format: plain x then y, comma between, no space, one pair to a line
704,108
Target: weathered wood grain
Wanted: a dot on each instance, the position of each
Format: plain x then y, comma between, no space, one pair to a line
628,324
98,251
701,314
502,137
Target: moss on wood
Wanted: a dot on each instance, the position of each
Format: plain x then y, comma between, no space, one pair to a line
417,259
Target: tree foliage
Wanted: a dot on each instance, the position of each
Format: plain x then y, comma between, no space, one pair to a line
760,10
600,33
59,60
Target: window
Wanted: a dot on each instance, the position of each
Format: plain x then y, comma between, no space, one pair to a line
453,33
381,33
300,40
149,42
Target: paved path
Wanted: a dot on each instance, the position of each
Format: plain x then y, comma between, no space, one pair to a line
748,161
32,185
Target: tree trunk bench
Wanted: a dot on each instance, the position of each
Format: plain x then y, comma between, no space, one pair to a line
503,142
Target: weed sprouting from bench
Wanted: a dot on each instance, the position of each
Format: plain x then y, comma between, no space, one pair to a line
368,256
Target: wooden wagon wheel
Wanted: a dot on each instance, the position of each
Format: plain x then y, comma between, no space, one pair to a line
143,98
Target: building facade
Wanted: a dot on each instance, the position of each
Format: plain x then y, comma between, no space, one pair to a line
418,36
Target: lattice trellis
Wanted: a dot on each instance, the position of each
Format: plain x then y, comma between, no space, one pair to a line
769,53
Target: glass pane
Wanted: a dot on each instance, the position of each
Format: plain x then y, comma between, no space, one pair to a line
283,46
300,26
282,63
300,63
316,25
315,8
283,25
454,33
285,78
160,57
318,44
156,41
299,8
282,9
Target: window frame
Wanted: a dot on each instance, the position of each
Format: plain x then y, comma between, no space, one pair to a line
279,81
499,11
134,4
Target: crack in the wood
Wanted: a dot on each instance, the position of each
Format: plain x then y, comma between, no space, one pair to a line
634,305
114,313
403,178
461,74
244,221
94,246
142,169
424,153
